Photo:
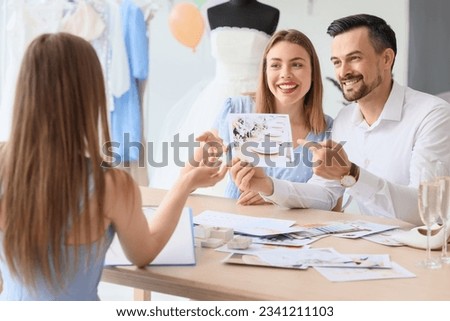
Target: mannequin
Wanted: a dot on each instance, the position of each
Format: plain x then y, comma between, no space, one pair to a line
245,14
243,24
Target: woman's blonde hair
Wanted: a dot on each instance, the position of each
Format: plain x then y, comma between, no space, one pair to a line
59,120
265,100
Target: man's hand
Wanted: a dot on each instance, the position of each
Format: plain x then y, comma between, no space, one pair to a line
329,160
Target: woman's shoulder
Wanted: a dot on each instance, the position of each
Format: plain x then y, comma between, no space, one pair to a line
240,104
232,105
325,134
120,188
118,178
329,120
235,105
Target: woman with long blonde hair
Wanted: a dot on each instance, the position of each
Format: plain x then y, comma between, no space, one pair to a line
60,204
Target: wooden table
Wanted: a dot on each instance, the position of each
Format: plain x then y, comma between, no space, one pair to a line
212,280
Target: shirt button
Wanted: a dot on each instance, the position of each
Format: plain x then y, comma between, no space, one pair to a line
366,163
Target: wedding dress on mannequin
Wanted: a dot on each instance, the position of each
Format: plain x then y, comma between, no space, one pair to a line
237,53
240,31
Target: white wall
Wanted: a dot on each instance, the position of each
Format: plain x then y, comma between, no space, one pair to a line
314,23
4,119
174,68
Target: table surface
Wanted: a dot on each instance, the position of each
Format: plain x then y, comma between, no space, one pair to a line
210,279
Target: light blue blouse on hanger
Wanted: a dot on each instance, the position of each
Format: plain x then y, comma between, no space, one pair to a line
126,117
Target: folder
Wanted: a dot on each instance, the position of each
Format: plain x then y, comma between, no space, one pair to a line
179,250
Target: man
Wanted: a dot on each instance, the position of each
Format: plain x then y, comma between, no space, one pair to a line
385,136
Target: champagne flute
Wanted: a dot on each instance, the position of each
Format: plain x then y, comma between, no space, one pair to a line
443,177
429,200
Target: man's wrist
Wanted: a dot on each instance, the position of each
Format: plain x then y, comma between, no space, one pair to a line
354,171
350,179
267,187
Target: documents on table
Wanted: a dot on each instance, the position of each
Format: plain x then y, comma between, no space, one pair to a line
310,257
331,264
282,244
269,227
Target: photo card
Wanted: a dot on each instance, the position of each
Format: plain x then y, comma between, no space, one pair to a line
263,140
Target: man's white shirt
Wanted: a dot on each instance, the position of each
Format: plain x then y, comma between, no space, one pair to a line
413,131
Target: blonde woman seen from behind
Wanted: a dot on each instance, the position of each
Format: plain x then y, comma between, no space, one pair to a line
59,208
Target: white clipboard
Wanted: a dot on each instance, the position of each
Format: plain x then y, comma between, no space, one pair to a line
179,250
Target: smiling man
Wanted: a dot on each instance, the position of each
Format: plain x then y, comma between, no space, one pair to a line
363,53
385,136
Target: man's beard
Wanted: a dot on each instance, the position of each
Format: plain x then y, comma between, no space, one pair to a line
363,90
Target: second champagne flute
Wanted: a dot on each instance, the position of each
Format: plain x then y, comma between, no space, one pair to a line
443,177
429,201
444,213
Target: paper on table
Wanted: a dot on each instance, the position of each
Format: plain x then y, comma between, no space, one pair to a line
179,250
249,259
245,224
253,249
286,240
328,228
384,238
366,228
346,274
373,261
304,257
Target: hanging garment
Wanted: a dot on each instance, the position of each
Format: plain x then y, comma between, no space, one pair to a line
85,22
126,118
26,20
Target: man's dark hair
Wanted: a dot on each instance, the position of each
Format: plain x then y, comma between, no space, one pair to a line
381,34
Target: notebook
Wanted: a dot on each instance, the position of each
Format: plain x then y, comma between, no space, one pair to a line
179,250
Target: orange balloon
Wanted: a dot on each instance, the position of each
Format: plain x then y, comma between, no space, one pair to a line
186,24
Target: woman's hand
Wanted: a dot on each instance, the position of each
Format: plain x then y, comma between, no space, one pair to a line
204,175
249,178
209,153
206,156
251,198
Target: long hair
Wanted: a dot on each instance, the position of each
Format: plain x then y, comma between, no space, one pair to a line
59,120
312,108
